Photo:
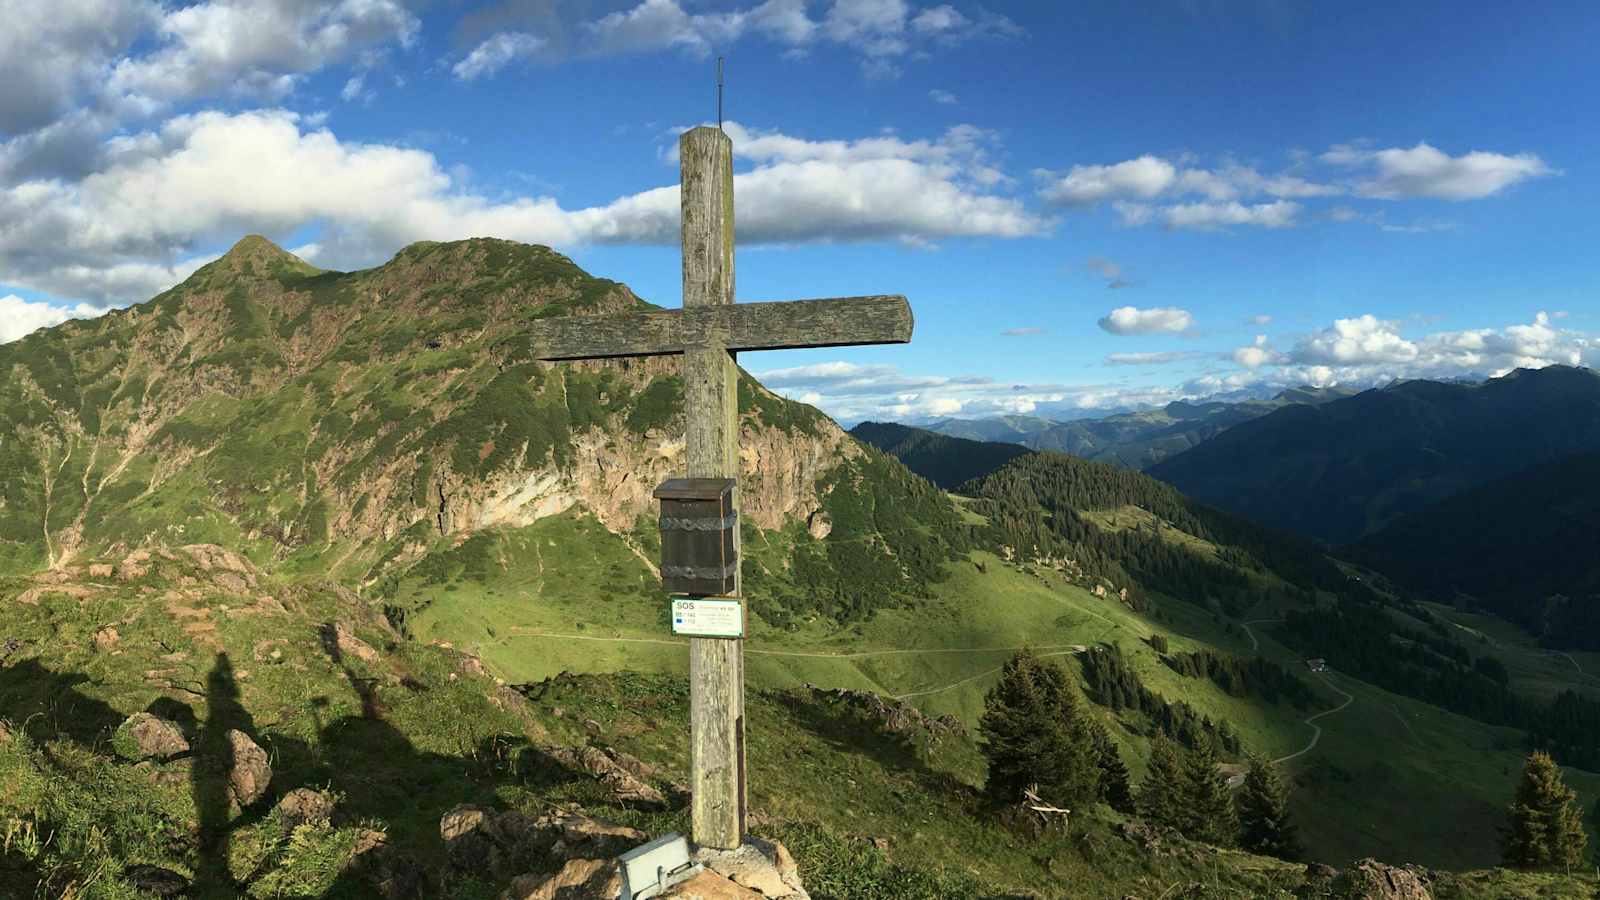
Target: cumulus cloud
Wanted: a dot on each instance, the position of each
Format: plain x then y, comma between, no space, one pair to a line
138,224
944,97
496,53
1426,171
1134,187
1361,340
1128,320
52,53
1144,178
1366,351
259,49
20,318
1257,354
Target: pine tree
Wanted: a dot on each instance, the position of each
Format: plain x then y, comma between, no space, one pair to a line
1263,801
1164,795
1115,789
1545,829
1034,733
1210,815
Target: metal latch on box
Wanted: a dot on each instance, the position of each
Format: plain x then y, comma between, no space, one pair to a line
650,870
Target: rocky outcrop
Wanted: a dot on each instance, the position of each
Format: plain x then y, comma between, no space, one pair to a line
1369,879
621,773
146,736
251,773
304,805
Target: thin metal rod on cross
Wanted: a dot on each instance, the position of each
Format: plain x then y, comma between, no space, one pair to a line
708,331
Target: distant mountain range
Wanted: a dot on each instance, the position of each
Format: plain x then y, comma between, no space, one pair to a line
1345,469
1137,439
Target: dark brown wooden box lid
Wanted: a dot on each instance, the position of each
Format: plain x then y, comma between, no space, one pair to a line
694,488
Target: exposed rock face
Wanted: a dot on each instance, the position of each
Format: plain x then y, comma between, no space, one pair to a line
614,478
251,772
145,736
1369,879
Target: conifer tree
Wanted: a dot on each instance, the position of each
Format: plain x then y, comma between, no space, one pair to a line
1210,814
1115,788
1034,733
1263,801
1545,829
1164,795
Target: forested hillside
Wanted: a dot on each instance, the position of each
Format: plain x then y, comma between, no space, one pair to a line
1526,546
946,461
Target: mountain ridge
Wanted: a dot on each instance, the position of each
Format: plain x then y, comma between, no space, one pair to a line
1339,470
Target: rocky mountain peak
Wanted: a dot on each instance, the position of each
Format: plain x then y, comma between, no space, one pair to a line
255,255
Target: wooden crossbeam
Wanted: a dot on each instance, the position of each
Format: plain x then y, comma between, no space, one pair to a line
770,325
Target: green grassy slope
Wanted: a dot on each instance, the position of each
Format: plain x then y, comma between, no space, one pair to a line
400,732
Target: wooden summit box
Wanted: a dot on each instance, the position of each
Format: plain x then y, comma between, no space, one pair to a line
698,525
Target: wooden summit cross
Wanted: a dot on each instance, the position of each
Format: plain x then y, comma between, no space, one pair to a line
708,331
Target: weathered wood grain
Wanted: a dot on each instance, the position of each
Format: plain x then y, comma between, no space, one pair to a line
711,398
768,325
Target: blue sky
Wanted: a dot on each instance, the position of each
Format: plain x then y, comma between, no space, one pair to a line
1090,206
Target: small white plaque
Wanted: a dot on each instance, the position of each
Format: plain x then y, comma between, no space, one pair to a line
699,617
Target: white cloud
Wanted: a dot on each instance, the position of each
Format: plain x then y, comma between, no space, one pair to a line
1365,351
1021,332
118,235
1261,320
944,97
1257,354
1425,171
253,48
1127,320
19,317
52,53
1132,185
882,31
938,19
1361,340
496,53
1143,178
1206,216
1158,358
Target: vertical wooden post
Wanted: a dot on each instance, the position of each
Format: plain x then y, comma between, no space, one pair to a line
711,404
